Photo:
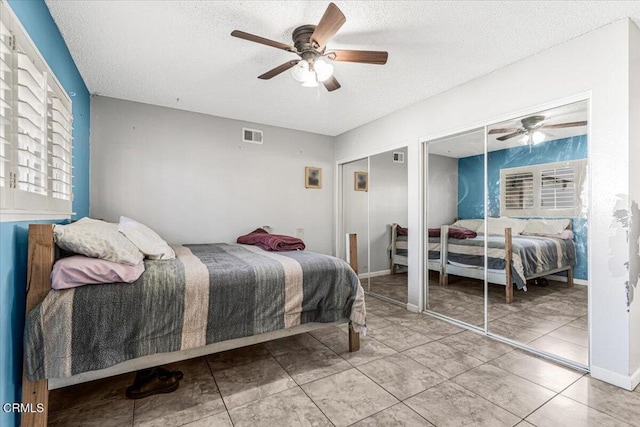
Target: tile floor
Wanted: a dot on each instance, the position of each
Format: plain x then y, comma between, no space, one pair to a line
412,370
551,318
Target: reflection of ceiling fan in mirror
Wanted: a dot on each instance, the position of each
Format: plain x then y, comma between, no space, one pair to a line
533,128
310,45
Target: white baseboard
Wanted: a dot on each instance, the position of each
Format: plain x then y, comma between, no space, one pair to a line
564,279
628,382
374,274
413,308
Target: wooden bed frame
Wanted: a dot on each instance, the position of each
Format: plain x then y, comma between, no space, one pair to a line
444,269
42,253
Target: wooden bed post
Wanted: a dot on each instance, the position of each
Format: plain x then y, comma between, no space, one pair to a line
508,280
41,255
444,243
354,337
570,276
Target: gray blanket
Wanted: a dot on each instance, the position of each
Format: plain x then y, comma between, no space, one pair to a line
531,255
209,293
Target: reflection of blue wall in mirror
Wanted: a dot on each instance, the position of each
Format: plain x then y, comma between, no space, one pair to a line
471,182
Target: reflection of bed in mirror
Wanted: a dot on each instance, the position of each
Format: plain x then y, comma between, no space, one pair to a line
398,248
530,256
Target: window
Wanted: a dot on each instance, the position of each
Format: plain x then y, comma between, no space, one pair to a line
546,190
35,130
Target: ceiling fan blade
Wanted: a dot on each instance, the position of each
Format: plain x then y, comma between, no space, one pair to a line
262,40
565,125
279,69
507,130
361,56
331,84
512,135
329,25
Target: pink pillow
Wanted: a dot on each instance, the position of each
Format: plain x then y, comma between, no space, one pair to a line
79,270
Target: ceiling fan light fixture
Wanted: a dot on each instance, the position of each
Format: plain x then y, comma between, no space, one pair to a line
323,69
537,137
312,81
301,71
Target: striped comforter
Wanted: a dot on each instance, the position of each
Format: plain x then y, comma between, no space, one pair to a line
531,255
209,293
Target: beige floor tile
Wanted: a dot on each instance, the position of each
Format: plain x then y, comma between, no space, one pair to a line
348,397
306,365
448,404
513,332
294,343
530,321
191,368
537,370
617,402
524,423
399,415
562,411
107,413
443,359
291,407
246,383
338,341
513,393
399,337
479,346
562,348
400,375
237,357
196,398
580,322
218,420
91,392
434,328
571,334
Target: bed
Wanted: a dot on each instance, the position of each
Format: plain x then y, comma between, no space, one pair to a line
214,297
529,257
398,247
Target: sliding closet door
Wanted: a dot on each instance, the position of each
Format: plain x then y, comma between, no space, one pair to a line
388,217
537,188
355,216
454,216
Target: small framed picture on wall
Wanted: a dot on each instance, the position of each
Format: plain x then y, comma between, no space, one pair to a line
361,181
312,177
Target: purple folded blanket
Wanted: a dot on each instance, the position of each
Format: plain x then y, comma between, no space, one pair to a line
454,233
271,242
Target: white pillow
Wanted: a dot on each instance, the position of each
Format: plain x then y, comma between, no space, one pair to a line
470,224
546,226
97,239
497,225
145,239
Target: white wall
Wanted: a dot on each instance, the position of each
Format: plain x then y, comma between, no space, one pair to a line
596,63
190,177
355,207
387,204
442,190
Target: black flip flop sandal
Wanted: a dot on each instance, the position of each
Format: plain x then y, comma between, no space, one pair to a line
153,381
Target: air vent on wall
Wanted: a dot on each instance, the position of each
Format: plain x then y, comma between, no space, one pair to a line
398,157
252,135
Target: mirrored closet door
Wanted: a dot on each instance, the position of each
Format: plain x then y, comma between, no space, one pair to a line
537,187
455,213
507,216
355,218
374,207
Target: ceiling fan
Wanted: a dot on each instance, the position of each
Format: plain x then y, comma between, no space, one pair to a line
309,43
532,127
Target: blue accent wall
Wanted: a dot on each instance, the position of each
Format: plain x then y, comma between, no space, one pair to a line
37,20
471,182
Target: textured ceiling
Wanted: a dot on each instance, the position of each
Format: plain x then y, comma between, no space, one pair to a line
180,54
